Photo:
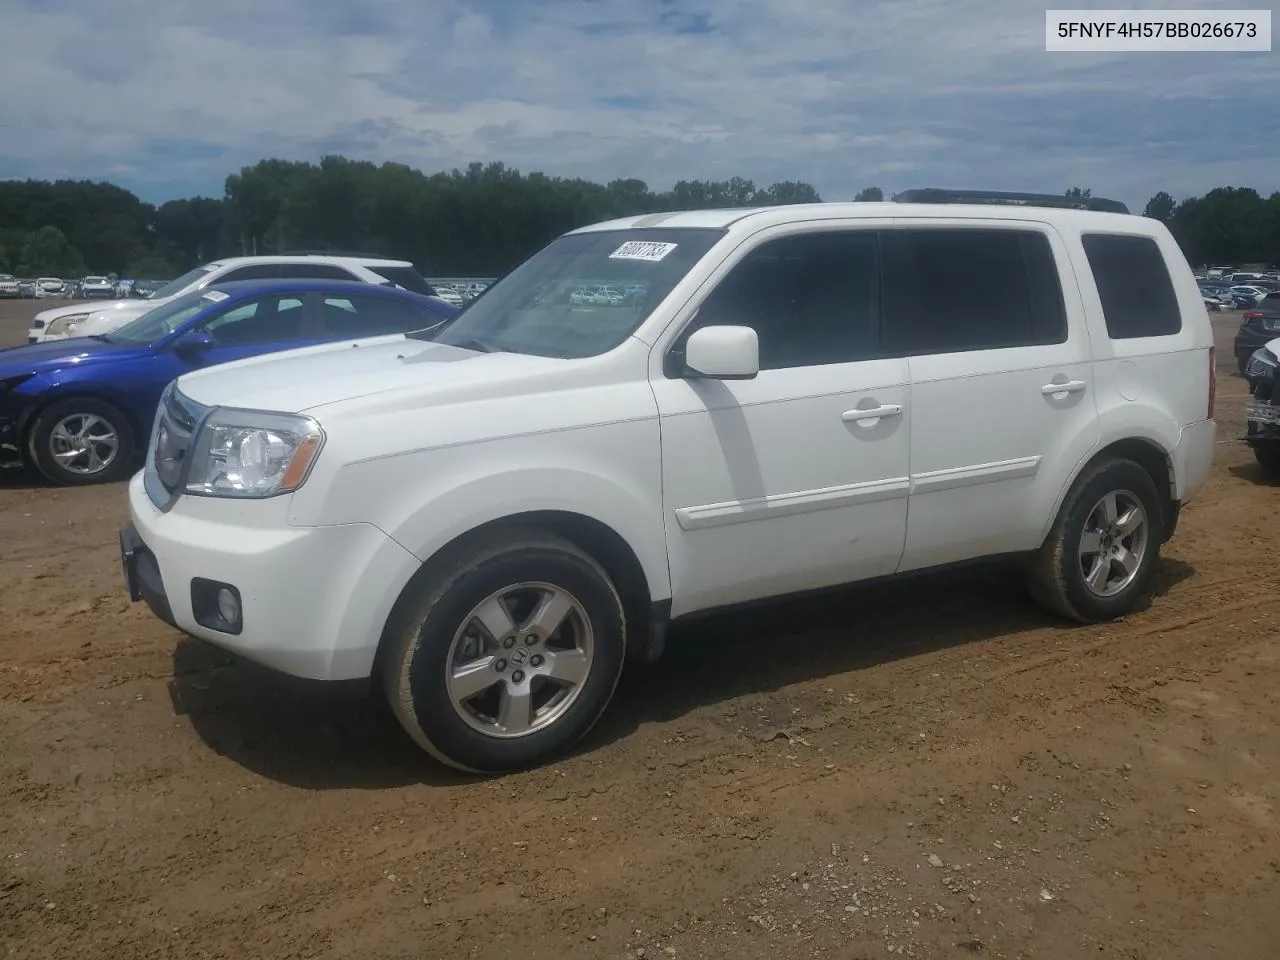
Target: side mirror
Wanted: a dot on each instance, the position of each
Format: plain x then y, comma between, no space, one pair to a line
192,342
723,353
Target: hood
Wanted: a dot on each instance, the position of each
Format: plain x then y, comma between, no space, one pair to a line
116,316
57,354
56,312
302,380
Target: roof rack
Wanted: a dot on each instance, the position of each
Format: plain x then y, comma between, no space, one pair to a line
939,195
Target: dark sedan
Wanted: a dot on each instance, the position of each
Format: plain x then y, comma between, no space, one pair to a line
1261,325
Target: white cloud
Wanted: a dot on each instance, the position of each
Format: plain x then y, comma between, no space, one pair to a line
169,98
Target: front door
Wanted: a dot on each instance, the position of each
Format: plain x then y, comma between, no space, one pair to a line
798,478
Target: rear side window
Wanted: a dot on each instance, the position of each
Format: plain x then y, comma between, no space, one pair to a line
1138,299
257,271
953,290
315,271
406,277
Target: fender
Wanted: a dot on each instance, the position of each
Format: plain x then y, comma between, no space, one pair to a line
1133,421
426,500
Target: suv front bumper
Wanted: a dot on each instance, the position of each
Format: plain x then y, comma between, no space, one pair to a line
313,600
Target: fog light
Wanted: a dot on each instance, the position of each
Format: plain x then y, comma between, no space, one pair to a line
217,605
228,606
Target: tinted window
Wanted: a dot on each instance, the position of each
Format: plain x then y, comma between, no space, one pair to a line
258,271
1133,282
949,291
811,299
265,320
372,316
406,277
315,271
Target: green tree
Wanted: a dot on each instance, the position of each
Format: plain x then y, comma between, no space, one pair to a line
1076,193
152,266
872,194
1160,207
49,253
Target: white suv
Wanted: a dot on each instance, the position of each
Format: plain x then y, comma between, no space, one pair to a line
489,519
81,320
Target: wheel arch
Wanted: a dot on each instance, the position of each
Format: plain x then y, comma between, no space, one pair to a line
594,537
1147,452
30,413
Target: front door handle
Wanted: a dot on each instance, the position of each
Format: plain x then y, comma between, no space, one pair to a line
871,415
1063,388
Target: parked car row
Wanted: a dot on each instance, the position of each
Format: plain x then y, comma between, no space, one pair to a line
1229,294
459,292
79,320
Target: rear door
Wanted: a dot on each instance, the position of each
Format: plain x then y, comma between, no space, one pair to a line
1002,383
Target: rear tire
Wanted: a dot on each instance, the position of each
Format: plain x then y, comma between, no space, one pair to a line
1098,560
96,428
483,683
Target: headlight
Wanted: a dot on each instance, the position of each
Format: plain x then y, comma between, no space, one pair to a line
63,325
1261,363
251,454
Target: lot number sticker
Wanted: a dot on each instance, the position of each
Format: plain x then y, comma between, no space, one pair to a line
642,250
217,296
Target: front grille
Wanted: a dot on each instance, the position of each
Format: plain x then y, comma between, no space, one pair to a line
176,423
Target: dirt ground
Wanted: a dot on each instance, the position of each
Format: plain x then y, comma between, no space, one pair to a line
932,770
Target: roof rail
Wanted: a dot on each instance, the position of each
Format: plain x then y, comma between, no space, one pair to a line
939,195
359,254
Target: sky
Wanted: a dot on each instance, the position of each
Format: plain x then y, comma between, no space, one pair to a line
167,98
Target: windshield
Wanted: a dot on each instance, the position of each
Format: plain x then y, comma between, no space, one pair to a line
581,295
161,321
174,287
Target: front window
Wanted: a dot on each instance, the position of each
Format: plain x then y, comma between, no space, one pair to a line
175,287
162,321
581,295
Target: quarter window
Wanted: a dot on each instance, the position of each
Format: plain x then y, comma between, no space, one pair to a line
812,299
372,316
1138,299
954,290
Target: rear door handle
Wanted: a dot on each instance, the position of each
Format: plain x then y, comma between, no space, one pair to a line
871,414
1067,386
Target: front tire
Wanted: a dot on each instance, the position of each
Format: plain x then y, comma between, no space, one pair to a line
81,441
509,656
1099,558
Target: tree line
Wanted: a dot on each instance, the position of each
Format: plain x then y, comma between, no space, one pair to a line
478,221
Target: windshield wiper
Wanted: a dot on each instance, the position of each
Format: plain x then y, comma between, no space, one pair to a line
480,345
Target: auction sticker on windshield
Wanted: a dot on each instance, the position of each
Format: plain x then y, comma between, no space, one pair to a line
217,296
650,250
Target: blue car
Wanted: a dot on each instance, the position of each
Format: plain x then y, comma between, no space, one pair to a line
79,411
